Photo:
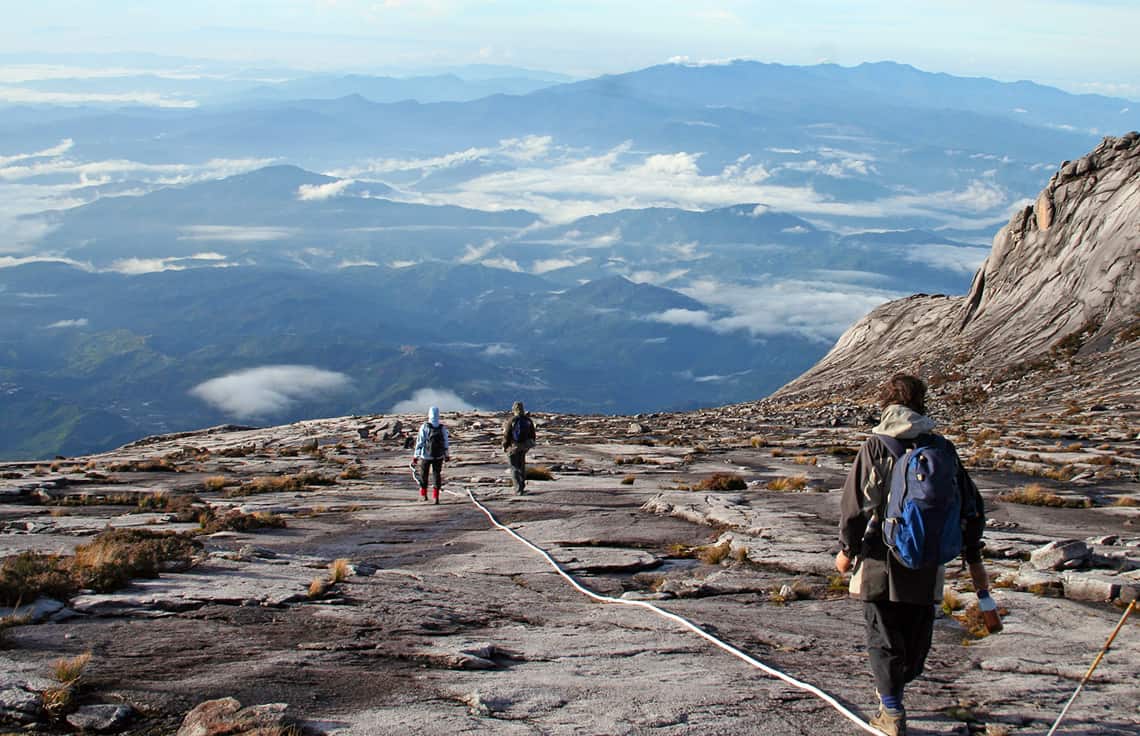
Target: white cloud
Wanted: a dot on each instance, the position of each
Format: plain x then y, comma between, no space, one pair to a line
22,95
961,259
820,310
103,172
473,253
317,192
620,179
656,277
506,264
499,350
547,265
236,233
687,317
425,397
10,261
269,389
63,323
403,264
526,149
357,264
139,266
59,149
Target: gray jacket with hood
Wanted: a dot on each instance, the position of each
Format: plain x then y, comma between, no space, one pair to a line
865,491
421,450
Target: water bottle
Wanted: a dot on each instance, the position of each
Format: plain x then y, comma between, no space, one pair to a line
989,612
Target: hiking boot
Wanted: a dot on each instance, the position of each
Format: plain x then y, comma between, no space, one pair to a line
889,721
435,497
423,494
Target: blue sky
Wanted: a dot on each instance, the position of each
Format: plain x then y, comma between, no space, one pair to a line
1083,46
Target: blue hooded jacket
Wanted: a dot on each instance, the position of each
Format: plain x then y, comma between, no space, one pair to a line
425,428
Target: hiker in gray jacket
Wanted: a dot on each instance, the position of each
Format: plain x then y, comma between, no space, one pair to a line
518,438
899,602
433,447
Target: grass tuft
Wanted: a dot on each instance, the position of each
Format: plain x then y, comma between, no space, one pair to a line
713,554
1126,501
951,602
788,483
68,670
338,570
539,472
216,482
280,484
1035,494
115,556
149,465
237,521
721,482
318,587
628,480
352,472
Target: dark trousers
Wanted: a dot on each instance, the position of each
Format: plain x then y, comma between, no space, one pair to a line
898,640
435,466
518,470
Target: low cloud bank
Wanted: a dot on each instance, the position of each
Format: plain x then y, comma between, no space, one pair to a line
818,310
318,192
423,398
269,389
64,323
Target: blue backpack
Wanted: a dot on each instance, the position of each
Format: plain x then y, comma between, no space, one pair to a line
522,430
922,525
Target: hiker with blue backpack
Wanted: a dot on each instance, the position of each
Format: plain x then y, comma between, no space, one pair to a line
433,447
908,508
518,439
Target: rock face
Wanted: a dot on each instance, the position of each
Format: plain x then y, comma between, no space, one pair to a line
1058,295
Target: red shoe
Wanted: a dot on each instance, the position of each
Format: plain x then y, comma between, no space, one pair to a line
423,494
435,496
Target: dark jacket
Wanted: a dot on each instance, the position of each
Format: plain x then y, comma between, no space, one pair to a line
509,435
865,491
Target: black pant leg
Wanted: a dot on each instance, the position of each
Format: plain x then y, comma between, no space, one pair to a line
518,470
425,467
919,636
898,640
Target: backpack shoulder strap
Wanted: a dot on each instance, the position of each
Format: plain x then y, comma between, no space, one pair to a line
894,446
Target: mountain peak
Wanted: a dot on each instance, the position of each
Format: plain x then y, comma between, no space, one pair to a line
1053,313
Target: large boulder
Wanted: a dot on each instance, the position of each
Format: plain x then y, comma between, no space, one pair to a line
1065,554
227,717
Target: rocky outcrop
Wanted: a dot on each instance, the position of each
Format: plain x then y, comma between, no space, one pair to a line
227,716
1059,295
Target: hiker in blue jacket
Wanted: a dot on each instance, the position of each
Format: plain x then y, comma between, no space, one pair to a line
433,447
899,601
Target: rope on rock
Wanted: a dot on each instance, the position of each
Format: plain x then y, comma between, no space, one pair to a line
772,671
1093,666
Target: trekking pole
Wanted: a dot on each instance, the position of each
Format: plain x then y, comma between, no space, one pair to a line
1088,675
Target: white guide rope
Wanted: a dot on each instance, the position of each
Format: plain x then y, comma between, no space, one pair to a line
844,711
